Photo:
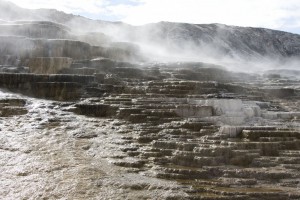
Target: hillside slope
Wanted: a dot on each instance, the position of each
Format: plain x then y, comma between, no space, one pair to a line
178,39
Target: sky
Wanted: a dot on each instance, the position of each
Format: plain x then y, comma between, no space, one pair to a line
275,14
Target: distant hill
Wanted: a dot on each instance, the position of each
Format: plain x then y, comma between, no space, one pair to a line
203,40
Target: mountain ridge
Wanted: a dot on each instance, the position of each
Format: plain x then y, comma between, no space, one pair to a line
172,39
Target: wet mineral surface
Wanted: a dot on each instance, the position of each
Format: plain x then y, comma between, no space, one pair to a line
169,136
49,153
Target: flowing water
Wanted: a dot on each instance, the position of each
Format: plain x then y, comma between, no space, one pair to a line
50,153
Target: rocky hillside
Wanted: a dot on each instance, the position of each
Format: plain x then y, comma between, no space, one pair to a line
220,39
181,39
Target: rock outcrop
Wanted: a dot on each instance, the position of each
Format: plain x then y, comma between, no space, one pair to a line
48,65
58,87
11,107
35,29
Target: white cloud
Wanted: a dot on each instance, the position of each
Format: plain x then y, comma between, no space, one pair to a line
69,6
263,13
276,14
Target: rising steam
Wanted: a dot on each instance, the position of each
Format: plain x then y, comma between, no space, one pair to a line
236,48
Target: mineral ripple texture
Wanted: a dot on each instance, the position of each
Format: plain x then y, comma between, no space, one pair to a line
84,121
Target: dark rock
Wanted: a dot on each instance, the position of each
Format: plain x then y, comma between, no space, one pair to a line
48,65
9,111
279,92
56,90
85,135
95,110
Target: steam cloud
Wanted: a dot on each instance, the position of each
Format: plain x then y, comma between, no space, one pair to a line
236,48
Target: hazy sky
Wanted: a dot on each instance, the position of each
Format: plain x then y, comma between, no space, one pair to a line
275,14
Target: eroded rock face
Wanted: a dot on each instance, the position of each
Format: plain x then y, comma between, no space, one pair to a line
15,46
35,29
61,48
11,107
50,65
24,48
59,87
194,111
62,91
95,110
